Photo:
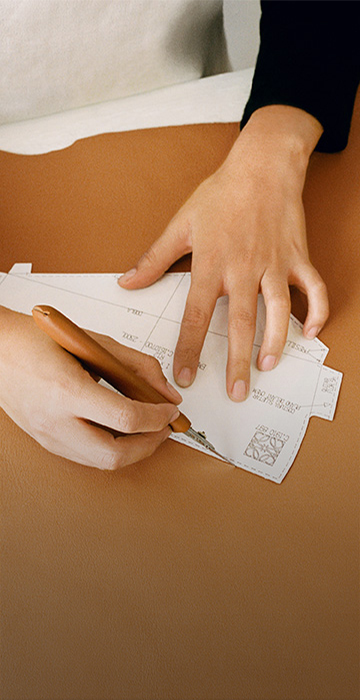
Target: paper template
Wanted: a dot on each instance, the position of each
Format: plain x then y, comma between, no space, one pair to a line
261,435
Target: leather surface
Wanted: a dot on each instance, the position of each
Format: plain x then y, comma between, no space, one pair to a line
179,578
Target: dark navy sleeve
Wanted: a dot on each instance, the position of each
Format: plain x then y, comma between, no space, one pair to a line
309,57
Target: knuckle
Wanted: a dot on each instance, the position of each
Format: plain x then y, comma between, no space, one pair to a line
320,287
111,461
315,282
247,257
242,320
149,258
127,419
42,425
195,317
65,390
282,303
45,429
151,365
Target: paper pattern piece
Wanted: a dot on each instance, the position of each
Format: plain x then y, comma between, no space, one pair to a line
261,435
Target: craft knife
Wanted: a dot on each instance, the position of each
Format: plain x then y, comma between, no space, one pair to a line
99,360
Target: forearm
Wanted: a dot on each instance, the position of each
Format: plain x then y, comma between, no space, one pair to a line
309,58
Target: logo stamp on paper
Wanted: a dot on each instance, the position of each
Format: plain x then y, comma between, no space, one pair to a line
329,385
266,445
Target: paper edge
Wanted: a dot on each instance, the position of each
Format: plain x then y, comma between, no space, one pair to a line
158,108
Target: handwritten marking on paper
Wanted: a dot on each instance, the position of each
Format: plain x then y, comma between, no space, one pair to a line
265,445
129,336
161,349
161,352
276,401
297,346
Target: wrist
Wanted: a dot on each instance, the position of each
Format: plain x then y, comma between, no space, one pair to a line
278,137
291,127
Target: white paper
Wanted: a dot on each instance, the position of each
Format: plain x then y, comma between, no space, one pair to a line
219,98
261,435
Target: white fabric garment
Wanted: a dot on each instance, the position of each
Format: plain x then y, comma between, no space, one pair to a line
58,55
218,98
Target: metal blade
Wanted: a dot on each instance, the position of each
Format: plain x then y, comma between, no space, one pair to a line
201,439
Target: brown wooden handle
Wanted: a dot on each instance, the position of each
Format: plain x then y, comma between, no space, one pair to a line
76,341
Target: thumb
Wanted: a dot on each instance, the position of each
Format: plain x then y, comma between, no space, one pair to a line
171,246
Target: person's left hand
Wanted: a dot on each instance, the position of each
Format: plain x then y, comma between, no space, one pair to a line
245,226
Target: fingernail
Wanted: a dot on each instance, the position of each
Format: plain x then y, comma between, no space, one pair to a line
313,332
175,394
268,363
185,377
127,276
239,390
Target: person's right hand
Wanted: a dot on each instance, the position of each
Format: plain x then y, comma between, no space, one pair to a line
48,393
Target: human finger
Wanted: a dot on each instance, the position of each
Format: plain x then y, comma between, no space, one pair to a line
103,406
199,308
277,301
168,248
309,281
93,446
241,332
